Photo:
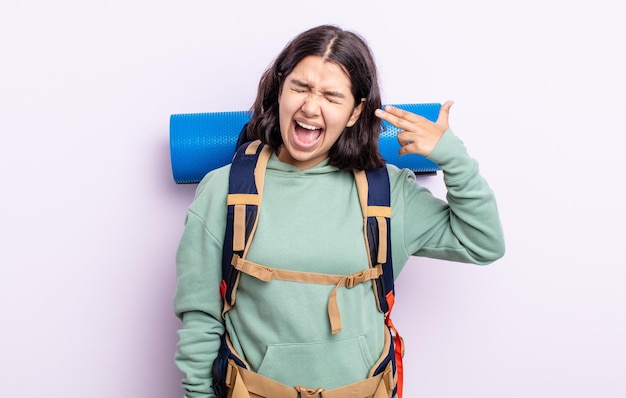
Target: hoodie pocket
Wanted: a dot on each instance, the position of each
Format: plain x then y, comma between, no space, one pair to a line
327,364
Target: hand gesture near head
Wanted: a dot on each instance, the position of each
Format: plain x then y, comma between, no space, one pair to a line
417,135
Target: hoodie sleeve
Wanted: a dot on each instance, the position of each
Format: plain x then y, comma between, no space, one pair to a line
466,226
198,301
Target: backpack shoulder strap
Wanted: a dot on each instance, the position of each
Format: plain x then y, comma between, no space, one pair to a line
245,189
375,197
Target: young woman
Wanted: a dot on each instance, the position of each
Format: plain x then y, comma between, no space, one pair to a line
319,109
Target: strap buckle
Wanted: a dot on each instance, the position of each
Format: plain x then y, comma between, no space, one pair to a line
355,279
309,392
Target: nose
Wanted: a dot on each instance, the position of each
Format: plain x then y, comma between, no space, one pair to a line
311,105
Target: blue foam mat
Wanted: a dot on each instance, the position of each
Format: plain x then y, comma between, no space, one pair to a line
201,142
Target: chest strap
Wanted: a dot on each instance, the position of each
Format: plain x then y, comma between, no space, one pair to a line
266,274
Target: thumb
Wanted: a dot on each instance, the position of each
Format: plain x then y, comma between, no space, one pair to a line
444,113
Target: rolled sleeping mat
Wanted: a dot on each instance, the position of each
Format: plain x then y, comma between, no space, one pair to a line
201,142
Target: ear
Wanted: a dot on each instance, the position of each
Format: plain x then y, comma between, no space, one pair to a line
356,113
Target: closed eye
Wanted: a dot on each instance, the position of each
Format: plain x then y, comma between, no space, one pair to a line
333,100
332,96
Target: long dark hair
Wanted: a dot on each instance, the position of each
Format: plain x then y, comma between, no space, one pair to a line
357,147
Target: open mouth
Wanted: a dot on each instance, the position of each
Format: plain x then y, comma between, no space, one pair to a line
306,135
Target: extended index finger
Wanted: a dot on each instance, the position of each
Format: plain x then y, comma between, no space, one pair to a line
398,117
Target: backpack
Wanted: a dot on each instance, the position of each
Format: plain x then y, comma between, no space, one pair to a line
244,199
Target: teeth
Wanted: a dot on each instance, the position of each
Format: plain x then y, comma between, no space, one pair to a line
307,126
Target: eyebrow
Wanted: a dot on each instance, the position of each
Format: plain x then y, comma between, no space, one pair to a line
331,93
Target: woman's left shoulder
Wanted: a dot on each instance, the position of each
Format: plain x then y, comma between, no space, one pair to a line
399,175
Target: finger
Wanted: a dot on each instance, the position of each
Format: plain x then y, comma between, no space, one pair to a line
387,116
404,138
408,143
409,148
444,113
404,150
403,114
398,117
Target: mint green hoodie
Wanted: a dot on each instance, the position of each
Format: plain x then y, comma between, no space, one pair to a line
311,221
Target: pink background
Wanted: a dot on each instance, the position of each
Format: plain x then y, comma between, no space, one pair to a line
90,216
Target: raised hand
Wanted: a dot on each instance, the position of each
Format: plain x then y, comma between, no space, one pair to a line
417,135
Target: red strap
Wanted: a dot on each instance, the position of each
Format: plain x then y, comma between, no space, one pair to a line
223,288
398,344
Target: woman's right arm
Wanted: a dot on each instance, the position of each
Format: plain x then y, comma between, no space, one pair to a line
198,302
